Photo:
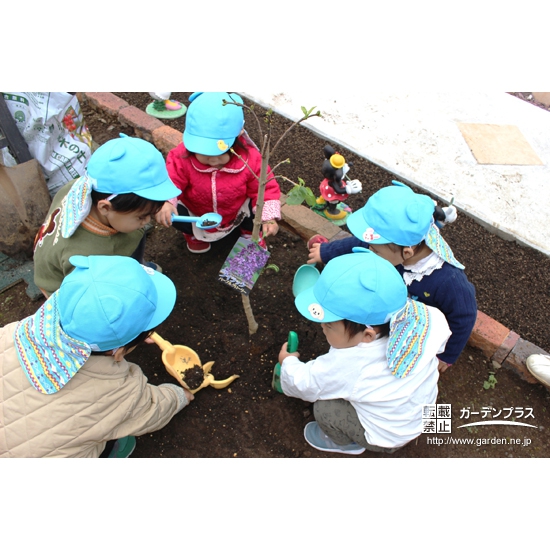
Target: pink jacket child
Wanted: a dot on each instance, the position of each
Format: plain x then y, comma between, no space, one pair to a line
213,179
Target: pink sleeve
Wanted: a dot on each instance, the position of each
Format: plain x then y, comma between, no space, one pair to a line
272,210
176,167
272,190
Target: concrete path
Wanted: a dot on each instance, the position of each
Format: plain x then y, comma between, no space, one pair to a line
490,151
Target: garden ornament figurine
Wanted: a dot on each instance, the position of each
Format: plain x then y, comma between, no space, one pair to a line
445,215
334,188
185,366
164,107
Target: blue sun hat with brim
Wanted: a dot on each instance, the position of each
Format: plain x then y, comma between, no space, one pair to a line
103,304
210,126
131,165
394,214
122,165
364,288
108,300
361,287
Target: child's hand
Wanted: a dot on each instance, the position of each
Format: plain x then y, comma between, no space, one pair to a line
188,394
270,228
442,367
315,254
283,354
164,216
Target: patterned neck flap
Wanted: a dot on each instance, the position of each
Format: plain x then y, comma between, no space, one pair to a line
77,205
409,329
437,243
49,357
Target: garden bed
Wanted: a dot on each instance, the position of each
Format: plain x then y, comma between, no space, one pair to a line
249,419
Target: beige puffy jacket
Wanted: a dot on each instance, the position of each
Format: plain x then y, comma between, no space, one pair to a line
105,400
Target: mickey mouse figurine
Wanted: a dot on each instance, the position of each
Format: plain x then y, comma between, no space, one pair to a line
333,188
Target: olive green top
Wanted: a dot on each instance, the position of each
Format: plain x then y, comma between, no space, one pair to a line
91,238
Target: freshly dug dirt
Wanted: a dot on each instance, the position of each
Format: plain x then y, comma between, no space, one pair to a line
248,418
193,377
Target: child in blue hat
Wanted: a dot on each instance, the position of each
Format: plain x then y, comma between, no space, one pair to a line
216,169
398,224
382,365
67,389
104,212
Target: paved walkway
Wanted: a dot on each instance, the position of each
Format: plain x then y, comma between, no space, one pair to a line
490,151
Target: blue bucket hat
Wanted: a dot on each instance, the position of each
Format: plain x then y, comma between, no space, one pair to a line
103,304
361,287
131,165
395,214
210,126
122,165
107,301
364,288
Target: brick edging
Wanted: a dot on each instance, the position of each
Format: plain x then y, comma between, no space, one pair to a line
503,347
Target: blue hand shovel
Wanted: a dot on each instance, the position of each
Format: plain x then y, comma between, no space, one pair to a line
206,221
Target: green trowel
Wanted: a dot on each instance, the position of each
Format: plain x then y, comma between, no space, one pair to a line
291,348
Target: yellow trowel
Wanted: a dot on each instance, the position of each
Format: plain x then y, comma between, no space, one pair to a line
184,365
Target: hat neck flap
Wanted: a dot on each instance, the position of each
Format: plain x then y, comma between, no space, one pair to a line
49,357
76,205
437,243
409,330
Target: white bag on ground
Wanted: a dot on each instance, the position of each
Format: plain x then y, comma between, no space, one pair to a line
52,125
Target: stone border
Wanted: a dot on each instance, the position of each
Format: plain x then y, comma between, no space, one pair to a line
503,347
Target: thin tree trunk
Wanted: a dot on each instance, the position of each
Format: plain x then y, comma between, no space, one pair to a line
261,192
252,325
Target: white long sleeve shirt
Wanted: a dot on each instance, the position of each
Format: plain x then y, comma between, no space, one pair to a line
389,408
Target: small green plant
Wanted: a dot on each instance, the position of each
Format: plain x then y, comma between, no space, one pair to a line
491,382
300,193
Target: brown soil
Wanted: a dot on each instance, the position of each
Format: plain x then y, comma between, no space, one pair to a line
249,419
193,377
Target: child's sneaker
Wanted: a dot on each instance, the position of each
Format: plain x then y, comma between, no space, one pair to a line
195,246
316,239
322,442
123,447
153,266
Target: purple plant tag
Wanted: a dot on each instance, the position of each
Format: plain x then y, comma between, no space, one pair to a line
243,265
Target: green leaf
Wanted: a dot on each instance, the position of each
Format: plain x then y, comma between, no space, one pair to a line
273,267
311,200
297,195
304,110
490,383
